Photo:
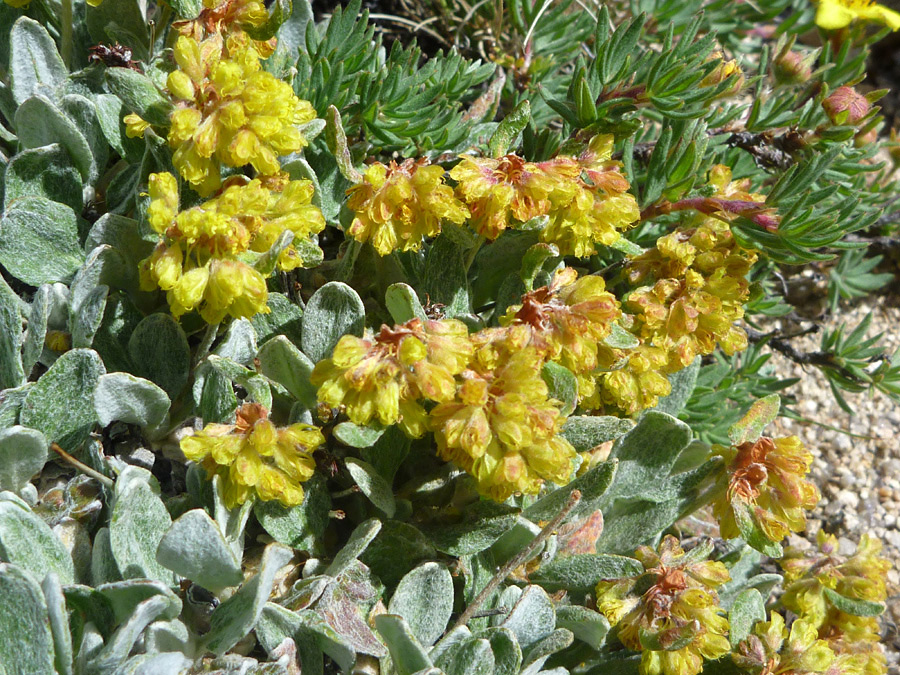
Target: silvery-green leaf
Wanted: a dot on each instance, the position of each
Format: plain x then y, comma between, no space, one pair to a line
407,654
27,541
138,522
532,618
361,537
403,303
130,399
122,597
23,452
46,172
237,616
120,644
213,394
562,386
25,637
301,526
61,403
123,234
372,485
505,648
139,94
159,351
103,565
39,122
333,311
536,655
284,318
647,453
453,638
11,401
854,606
110,114
619,338
748,608
533,262
472,657
282,362
259,388
357,435
484,524
445,277
587,625
388,452
39,241
682,383
82,111
277,623
515,540
239,343
509,128
34,65
397,548
11,371
168,636
33,342
232,522
59,623
586,432
195,549
151,664
88,295
580,573
424,598
593,486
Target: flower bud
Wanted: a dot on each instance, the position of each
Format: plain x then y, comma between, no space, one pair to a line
846,106
792,67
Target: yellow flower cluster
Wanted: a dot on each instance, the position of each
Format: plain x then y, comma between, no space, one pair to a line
836,14
397,205
254,458
670,613
501,427
568,321
229,111
197,259
387,377
767,485
633,380
585,198
771,648
811,577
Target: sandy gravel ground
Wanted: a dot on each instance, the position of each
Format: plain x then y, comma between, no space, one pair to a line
858,472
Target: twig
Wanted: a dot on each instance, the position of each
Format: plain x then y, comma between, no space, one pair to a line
517,560
81,466
817,358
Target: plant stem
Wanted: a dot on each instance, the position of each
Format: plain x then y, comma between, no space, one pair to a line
517,560
84,468
65,33
208,338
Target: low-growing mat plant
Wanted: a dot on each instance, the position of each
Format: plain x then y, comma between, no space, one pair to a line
321,351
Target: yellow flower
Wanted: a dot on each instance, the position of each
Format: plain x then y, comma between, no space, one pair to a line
228,110
398,205
567,319
670,613
135,126
861,576
771,649
835,14
501,427
634,380
766,479
254,458
498,190
385,378
599,207
195,260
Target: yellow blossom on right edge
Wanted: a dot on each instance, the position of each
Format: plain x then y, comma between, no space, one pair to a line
397,206
670,613
767,483
836,14
253,458
840,596
771,648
